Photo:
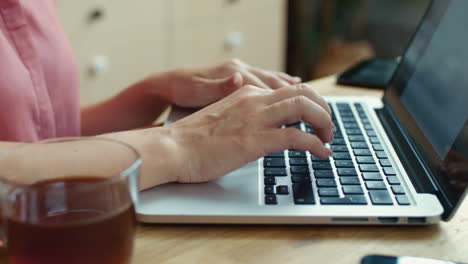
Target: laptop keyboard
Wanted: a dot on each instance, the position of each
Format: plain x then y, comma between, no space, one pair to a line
358,173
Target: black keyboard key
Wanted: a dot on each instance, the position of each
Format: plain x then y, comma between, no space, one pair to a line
274,171
282,189
398,189
300,178
393,180
324,174
296,154
269,180
350,181
350,125
299,170
338,135
328,192
353,132
379,197
368,127
274,162
303,193
357,139
389,171
296,125
339,148
338,141
275,155
348,120
371,133
298,161
359,145
347,200
347,172
365,120
372,176
270,199
368,168
377,147
376,185
381,154
314,158
374,140
385,163
269,189
365,160
344,164
321,165
309,130
352,189
362,152
342,156
402,200
326,183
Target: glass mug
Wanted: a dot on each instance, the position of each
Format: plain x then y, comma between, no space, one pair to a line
69,200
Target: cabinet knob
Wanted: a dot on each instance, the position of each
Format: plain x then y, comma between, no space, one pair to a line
234,40
96,14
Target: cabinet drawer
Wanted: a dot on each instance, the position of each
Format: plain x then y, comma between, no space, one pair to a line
123,45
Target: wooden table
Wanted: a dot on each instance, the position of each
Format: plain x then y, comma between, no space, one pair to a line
300,244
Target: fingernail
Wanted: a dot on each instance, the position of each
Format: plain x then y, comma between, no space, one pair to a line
328,152
297,79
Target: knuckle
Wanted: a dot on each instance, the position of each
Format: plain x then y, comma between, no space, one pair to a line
299,100
235,62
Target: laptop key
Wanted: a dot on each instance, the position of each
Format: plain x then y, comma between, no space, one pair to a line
342,156
274,171
353,132
315,158
338,141
347,172
379,197
269,180
368,168
275,155
296,154
402,200
371,133
389,171
321,165
377,147
385,163
365,160
352,189
298,161
303,193
350,181
347,200
376,185
357,139
326,183
374,140
344,164
372,176
274,162
328,192
269,189
339,148
324,174
299,169
282,189
270,199
381,154
362,152
398,189
359,145
350,125
393,180
300,178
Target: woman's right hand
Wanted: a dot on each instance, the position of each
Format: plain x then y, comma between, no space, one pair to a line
234,131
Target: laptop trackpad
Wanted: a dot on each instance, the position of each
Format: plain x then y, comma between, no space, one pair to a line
240,187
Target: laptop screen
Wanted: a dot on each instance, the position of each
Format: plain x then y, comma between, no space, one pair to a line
429,95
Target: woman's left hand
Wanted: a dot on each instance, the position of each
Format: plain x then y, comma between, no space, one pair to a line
198,87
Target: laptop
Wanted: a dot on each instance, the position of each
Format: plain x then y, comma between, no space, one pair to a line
402,159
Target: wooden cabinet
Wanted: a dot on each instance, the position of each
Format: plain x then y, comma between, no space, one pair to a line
118,42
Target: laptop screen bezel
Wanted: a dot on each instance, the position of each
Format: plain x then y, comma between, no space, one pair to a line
407,124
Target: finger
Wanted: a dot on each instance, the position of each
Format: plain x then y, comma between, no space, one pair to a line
290,79
271,79
292,138
298,90
251,79
298,108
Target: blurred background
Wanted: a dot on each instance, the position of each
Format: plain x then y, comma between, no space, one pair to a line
118,42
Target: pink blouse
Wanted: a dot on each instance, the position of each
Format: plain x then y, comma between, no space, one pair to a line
39,95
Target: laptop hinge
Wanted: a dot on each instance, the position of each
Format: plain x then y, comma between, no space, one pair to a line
420,176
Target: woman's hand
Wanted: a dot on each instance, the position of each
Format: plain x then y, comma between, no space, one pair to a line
232,132
197,87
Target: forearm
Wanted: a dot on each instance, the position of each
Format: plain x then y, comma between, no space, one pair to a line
135,107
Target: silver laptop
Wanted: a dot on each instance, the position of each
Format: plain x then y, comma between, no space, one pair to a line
400,160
